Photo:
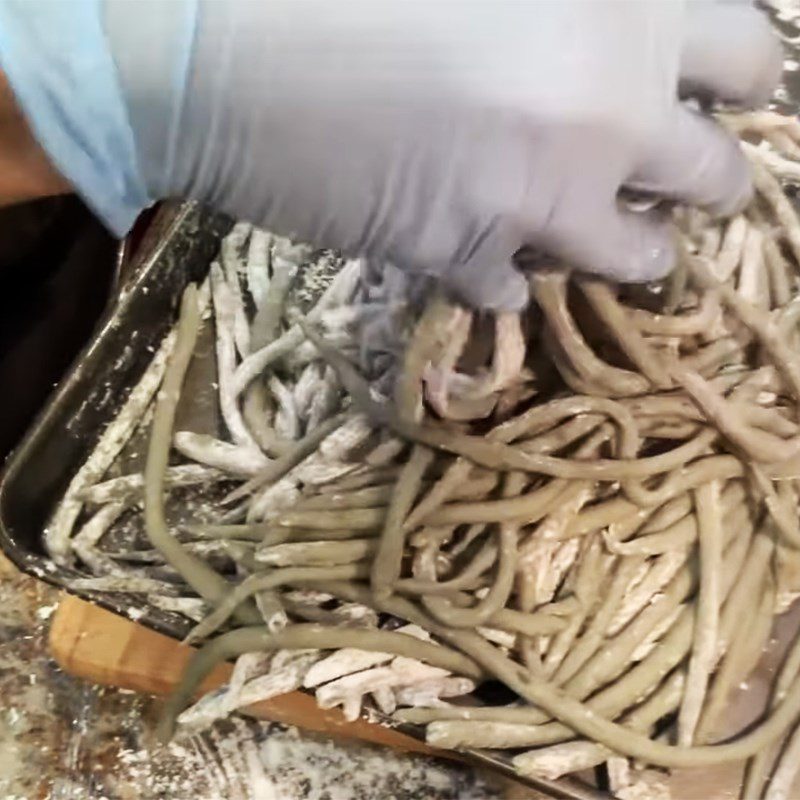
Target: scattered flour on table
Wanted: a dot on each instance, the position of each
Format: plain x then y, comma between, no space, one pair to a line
241,759
295,766
324,774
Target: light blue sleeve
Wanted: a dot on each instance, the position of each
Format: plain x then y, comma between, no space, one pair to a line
56,57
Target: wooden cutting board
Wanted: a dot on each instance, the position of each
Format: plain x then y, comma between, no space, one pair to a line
96,645
101,647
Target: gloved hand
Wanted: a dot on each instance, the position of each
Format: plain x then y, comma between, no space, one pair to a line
443,135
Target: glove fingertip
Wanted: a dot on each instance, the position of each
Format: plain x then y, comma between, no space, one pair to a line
739,194
494,289
655,260
641,250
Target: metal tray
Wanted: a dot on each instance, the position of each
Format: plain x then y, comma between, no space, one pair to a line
177,249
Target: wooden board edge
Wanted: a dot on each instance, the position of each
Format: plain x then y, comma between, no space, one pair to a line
101,647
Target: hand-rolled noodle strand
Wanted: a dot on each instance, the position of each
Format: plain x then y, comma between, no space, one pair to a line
601,297
550,292
197,573
386,566
706,625
757,768
497,597
300,637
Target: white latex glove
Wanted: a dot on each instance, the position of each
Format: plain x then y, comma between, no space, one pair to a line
444,135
